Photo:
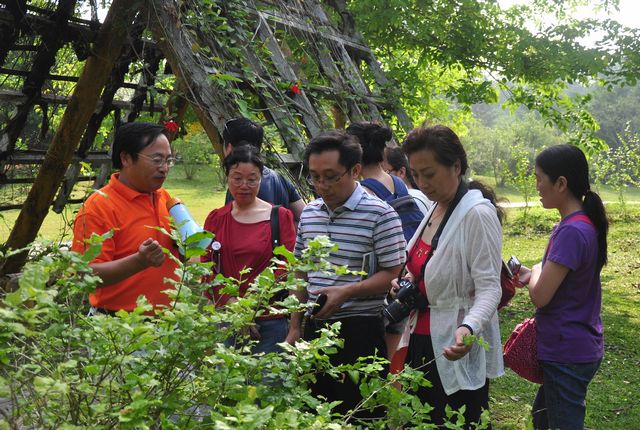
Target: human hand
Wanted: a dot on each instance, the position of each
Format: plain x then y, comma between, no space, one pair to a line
523,276
458,349
336,296
293,335
150,253
395,287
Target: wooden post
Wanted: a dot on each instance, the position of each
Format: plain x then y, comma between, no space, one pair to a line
52,40
115,81
81,106
291,132
10,32
348,27
309,116
212,104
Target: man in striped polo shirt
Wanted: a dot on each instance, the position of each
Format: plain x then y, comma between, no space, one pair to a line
365,229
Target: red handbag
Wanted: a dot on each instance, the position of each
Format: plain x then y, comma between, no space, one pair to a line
521,351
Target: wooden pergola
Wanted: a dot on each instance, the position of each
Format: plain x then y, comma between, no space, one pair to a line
299,65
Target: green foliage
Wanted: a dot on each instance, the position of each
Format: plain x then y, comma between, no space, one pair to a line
496,140
523,178
620,167
470,50
194,151
170,368
537,221
470,339
617,111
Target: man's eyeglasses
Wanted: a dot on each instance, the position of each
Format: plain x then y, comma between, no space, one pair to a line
159,161
237,182
328,181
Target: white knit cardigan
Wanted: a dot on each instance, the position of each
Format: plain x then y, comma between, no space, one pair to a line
463,287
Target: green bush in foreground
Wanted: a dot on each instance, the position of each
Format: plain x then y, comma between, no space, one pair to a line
64,370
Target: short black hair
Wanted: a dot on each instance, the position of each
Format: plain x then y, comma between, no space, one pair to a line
338,140
243,154
132,138
242,131
373,138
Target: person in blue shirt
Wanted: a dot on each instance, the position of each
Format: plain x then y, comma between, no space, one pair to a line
274,188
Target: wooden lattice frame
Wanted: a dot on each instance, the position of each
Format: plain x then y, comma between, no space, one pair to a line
341,55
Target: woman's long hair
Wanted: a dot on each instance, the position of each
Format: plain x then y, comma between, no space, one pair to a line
569,161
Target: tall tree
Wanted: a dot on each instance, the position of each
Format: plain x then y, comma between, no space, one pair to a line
473,49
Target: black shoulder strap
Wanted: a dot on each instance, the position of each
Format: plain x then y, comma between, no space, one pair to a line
462,190
275,226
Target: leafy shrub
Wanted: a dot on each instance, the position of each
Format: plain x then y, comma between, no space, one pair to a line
194,152
620,167
62,369
523,178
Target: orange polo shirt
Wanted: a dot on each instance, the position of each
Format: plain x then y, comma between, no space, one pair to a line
131,214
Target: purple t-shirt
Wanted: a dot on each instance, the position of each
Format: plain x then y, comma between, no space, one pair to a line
569,327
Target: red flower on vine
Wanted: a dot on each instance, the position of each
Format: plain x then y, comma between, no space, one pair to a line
171,126
295,89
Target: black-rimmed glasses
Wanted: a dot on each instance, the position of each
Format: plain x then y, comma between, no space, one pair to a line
328,181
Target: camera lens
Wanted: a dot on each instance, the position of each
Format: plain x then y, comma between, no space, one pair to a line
407,298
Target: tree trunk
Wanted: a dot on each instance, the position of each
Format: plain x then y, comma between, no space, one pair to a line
74,121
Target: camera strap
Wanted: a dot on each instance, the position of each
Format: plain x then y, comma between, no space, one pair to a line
275,226
462,190
275,242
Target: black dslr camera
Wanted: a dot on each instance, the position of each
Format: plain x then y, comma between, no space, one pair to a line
407,298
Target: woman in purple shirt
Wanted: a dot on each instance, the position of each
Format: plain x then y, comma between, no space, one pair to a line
566,289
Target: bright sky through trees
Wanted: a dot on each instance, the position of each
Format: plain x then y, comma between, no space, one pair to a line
627,15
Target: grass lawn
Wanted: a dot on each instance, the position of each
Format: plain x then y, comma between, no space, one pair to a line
613,395
612,402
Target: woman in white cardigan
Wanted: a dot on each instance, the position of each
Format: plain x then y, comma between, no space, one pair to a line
460,278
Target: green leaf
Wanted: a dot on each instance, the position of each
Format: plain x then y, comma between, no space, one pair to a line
34,276
354,375
194,252
91,253
197,237
224,77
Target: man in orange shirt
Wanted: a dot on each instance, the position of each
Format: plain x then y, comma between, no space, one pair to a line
131,262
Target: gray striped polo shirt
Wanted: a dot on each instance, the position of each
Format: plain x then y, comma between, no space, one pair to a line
363,224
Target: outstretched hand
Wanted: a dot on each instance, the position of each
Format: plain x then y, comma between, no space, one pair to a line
458,349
